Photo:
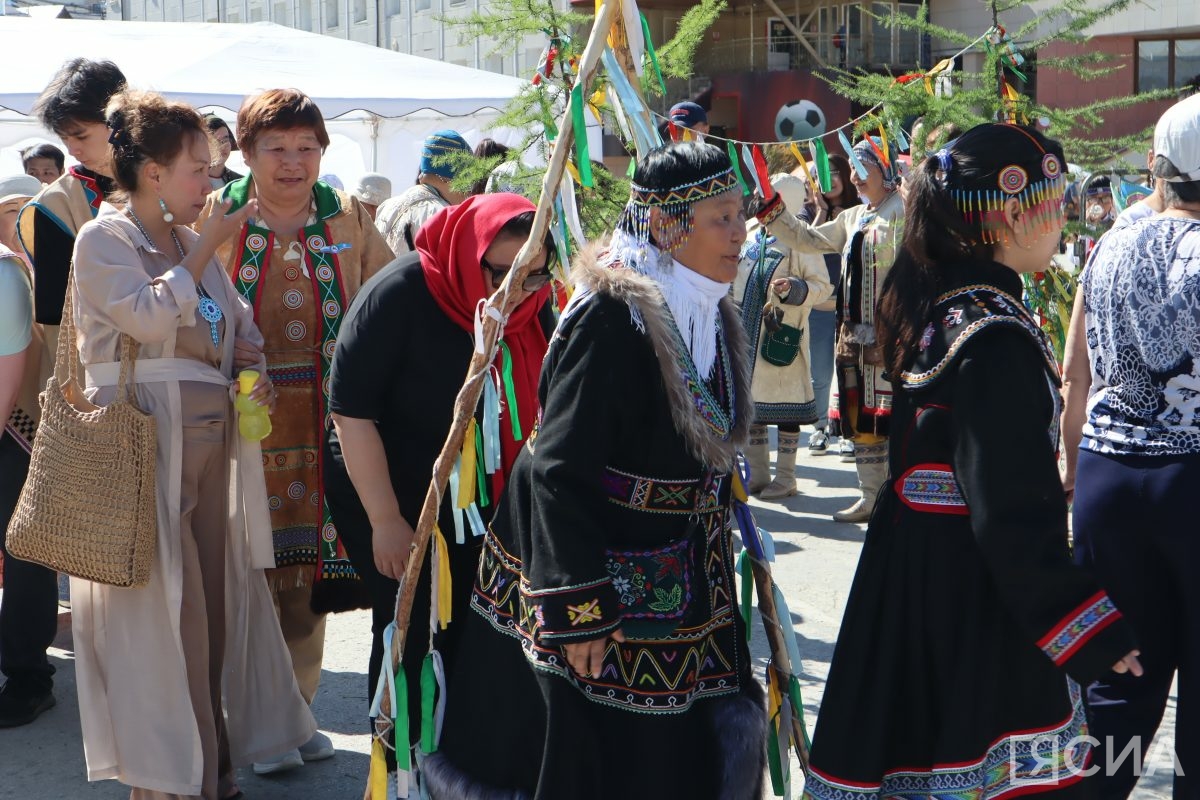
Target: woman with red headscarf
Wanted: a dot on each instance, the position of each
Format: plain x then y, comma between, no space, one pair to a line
401,356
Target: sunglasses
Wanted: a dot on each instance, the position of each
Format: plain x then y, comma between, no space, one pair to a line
533,281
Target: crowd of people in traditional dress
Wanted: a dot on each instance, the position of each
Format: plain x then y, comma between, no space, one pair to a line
592,643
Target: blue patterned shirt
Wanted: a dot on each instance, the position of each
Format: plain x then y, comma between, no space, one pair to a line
1142,302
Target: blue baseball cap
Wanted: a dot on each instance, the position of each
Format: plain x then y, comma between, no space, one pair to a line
687,114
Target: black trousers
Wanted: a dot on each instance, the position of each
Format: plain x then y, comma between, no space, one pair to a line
29,610
1135,528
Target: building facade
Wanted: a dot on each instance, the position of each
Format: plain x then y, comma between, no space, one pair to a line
407,26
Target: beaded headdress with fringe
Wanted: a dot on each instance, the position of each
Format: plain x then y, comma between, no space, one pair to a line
674,204
1040,195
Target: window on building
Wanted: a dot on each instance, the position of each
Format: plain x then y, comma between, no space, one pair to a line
422,5
279,13
304,15
1167,63
360,10
233,17
392,8
256,14
1154,65
456,2
331,13
1187,63
494,63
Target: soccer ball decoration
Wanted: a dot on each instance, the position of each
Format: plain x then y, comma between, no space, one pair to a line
799,120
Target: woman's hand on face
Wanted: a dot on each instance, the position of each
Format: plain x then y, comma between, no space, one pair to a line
1130,664
587,658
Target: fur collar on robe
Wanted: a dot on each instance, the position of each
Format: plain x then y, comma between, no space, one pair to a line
649,312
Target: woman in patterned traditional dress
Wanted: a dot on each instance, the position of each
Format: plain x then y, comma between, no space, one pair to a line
605,644
866,236
298,262
968,630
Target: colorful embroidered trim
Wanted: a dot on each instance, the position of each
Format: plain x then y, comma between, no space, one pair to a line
695,659
656,495
686,194
996,307
326,275
1096,614
652,584
931,488
716,404
1017,763
91,190
292,374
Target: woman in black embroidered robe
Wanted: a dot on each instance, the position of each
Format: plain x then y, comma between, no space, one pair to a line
968,630
606,657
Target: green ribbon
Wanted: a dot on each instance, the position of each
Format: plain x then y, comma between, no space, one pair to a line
510,392
403,760
746,573
737,168
428,706
583,159
632,168
798,706
653,55
480,468
822,159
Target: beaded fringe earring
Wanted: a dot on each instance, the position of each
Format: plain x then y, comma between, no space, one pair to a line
168,217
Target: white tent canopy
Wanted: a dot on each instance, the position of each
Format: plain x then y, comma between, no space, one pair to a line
382,101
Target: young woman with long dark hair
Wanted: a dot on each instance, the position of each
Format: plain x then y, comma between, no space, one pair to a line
968,630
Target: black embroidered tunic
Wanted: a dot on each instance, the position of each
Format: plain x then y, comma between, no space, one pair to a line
615,516
968,631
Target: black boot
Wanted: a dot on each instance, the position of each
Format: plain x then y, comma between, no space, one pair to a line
22,702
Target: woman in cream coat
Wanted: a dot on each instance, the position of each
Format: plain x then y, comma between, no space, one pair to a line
153,662
771,276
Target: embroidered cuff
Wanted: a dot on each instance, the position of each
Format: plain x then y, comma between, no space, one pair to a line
771,211
1090,639
183,288
579,612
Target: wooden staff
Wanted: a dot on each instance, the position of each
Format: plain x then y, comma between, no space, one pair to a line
499,306
781,662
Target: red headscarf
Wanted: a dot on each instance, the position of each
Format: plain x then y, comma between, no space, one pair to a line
451,245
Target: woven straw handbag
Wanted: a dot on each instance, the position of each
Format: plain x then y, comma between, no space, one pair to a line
89,507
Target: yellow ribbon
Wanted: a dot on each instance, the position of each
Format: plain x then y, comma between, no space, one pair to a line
466,470
378,775
442,555
804,165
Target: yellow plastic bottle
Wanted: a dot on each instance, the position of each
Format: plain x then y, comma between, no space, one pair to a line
254,421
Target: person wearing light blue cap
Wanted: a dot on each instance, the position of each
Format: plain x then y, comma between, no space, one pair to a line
399,218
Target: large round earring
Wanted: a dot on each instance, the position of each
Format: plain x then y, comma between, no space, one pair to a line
168,217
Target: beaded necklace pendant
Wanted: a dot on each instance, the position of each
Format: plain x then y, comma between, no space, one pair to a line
211,313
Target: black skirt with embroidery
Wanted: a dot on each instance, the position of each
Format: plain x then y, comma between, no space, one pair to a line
968,630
